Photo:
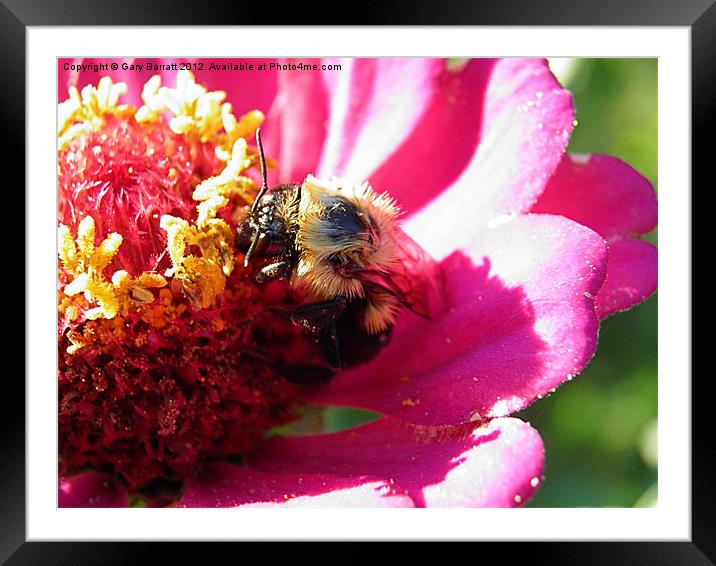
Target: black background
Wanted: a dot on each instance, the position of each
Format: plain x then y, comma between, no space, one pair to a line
16,15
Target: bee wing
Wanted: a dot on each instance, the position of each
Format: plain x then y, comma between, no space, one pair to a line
415,278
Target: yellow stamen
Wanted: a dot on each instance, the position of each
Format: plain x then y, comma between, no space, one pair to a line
203,278
196,112
235,130
230,181
198,115
86,113
86,263
212,235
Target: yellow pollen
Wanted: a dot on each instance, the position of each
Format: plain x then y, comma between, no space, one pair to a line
230,181
235,130
200,116
89,291
197,112
204,277
86,113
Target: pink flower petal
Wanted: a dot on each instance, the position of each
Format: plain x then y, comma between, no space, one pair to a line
528,118
366,141
442,143
603,193
521,320
609,196
631,276
374,104
229,485
385,463
90,489
296,124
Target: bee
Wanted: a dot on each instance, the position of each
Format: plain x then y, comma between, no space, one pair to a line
342,250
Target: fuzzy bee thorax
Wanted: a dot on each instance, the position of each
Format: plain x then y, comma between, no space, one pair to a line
342,223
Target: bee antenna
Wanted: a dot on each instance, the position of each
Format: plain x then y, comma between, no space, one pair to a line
262,159
250,251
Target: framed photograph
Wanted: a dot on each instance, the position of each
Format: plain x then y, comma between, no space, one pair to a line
299,285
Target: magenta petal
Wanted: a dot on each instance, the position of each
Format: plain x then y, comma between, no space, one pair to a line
374,104
386,463
444,140
528,118
521,320
631,276
229,485
609,196
496,465
90,489
603,193
296,124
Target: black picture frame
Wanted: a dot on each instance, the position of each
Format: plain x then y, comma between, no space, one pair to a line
17,15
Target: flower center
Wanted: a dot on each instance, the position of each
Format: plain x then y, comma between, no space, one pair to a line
169,353
152,393
126,176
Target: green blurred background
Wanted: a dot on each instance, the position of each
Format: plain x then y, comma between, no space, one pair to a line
599,430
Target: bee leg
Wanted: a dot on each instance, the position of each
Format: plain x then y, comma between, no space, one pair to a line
320,319
278,270
334,349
